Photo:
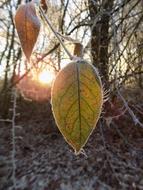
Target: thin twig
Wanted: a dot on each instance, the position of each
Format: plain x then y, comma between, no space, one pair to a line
13,140
6,120
55,33
135,119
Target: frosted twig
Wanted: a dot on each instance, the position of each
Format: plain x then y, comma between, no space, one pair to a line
135,119
6,120
68,38
13,139
55,33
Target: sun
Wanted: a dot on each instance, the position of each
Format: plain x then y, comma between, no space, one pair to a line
46,77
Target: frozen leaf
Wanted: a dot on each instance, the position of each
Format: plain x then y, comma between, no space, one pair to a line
44,5
78,49
77,98
28,27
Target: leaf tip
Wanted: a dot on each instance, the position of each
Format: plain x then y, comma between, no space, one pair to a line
80,151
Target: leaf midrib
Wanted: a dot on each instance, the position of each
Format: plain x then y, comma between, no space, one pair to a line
78,94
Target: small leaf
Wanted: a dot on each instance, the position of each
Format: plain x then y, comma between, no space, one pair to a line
78,49
44,5
28,27
77,98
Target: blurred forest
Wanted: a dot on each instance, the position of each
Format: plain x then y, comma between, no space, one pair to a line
111,32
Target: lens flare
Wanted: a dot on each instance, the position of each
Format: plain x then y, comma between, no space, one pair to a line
46,77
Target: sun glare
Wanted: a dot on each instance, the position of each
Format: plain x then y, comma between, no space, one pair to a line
46,77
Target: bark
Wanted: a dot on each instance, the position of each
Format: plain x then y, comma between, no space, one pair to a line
100,37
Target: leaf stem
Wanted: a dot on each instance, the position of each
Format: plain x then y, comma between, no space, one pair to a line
55,33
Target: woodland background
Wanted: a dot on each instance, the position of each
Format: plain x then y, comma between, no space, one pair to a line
112,35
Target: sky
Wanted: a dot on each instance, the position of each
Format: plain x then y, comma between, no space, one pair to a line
1,69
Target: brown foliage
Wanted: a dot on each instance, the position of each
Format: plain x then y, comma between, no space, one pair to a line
28,27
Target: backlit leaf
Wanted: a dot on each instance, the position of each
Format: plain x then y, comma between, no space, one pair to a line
28,27
77,98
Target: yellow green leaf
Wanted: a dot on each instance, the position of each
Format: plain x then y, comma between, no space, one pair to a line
28,27
77,98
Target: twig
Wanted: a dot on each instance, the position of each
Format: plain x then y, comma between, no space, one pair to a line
124,137
13,140
55,33
135,119
6,120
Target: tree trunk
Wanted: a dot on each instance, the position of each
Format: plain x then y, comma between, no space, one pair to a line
100,37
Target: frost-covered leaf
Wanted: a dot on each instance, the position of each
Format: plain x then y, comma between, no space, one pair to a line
78,49
77,98
44,5
28,27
